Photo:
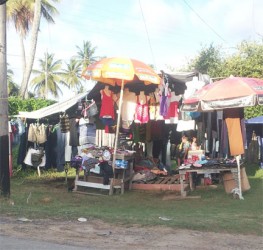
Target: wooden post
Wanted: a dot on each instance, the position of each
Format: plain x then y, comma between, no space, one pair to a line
118,125
117,136
4,132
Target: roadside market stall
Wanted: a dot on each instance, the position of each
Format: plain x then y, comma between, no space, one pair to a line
254,128
43,132
230,95
119,72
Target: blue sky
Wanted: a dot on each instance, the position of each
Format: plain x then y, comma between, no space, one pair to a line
165,33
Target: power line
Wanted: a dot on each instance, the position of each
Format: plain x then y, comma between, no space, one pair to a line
148,37
209,26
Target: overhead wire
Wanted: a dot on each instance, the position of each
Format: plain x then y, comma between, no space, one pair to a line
208,25
86,26
147,33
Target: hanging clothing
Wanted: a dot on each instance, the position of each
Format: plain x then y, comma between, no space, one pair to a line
50,147
232,118
64,123
128,109
163,105
73,132
224,146
22,150
60,149
164,97
185,125
128,106
141,112
154,107
172,113
83,134
37,133
107,106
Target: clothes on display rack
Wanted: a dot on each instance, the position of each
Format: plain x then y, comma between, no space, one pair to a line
141,111
64,123
37,133
128,108
107,112
107,104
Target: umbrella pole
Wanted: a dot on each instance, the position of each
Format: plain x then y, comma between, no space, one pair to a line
239,177
118,125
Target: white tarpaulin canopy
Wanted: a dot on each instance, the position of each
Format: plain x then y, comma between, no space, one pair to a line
53,109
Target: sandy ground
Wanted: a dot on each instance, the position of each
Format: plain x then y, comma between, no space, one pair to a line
96,234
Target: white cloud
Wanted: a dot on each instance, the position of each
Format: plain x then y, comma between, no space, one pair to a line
232,20
116,28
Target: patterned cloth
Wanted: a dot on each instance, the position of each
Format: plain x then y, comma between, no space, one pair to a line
141,112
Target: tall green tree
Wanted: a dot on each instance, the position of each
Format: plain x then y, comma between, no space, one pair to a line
86,54
72,74
209,61
20,14
247,61
26,15
49,78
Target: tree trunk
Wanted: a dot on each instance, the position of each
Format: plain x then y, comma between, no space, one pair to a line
23,57
33,45
4,133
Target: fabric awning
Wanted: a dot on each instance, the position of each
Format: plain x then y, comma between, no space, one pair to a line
53,109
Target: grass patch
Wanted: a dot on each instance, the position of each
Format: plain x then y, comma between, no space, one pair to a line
47,196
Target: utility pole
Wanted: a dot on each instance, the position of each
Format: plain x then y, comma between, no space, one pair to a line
4,131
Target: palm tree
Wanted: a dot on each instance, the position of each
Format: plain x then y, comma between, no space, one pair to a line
24,14
13,88
85,55
48,78
72,74
19,13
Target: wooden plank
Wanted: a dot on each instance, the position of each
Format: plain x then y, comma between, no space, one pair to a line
159,181
166,180
151,182
94,179
174,179
89,193
91,184
159,187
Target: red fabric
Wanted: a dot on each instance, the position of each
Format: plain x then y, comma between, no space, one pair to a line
172,110
142,112
207,181
107,106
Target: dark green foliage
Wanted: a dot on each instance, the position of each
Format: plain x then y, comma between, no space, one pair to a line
245,61
251,112
16,104
209,61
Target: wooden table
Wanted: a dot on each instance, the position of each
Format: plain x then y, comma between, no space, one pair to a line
202,170
121,176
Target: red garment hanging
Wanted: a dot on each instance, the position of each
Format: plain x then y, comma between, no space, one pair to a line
107,106
141,112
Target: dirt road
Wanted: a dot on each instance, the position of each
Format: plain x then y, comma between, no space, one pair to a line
96,234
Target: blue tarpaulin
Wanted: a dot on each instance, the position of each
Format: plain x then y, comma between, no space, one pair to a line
255,120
